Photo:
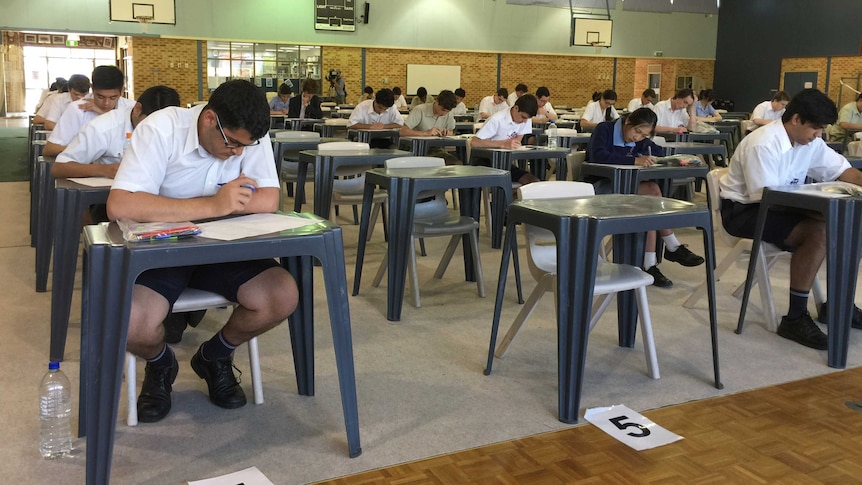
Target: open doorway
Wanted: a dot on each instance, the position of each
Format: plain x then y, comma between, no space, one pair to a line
42,65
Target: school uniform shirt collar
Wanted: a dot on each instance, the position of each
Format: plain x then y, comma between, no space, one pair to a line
618,135
781,135
193,142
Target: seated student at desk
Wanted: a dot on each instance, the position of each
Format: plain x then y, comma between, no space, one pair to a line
377,114
646,100
278,104
769,111
400,102
78,87
626,142
703,110
600,111
307,105
849,118
209,161
546,112
434,119
367,93
520,90
505,130
491,105
422,97
785,152
460,109
676,115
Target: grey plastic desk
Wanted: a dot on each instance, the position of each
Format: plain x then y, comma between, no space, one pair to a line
70,201
502,159
279,146
298,124
111,266
42,218
419,145
37,147
403,185
365,135
843,226
625,179
325,164
579,224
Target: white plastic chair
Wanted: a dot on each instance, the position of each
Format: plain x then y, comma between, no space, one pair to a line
349,184
610,279
740,248
289,165
192,300
431,219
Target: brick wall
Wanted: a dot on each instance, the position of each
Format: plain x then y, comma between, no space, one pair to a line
626,87
670,70
849,69
171,62
349,61
806,64
571,79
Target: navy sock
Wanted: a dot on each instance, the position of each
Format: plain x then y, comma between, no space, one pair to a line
798,303
164,359
217,348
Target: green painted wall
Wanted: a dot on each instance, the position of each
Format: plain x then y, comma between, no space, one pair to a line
480,25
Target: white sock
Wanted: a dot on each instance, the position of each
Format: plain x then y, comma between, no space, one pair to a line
649,259
670,242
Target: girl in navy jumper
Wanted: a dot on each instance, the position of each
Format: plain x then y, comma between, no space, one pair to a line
626,142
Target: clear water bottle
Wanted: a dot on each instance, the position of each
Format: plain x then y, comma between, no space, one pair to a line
55,413
551,133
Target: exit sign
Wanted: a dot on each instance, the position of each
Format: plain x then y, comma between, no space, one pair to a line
71,43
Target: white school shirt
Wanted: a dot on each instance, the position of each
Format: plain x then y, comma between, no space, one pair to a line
501,127
511,99
460,109
764,111
549,109
594,113
487,106
670,117
166,158
636,103
100,141
74,118
55,105
364,113
766,158
400,102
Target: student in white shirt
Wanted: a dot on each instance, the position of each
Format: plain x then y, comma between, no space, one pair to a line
491,105
506,129
520,90
546,112
676,115
52,109
460,108
769,111
646,100
377,114
400,102
600,111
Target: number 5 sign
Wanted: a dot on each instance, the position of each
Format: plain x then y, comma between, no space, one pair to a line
630,427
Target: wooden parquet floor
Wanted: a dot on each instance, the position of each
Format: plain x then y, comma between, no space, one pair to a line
798,432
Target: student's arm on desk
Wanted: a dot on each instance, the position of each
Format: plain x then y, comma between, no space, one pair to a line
477,142
75,169
852,175
232,198
52,149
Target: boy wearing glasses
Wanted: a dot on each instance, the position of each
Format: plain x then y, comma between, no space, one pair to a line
189,164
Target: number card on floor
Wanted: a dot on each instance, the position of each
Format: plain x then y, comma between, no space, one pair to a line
630,427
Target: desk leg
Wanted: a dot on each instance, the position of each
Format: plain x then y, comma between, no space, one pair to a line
842,266
752,261
324,173
44,226
709,254
335,280
628,249
500,160
299,193
301,323
469,207
367,202
401,199
67,232
501,290
107,323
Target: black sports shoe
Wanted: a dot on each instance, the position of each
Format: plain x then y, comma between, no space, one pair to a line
154,402
683,256
803,330
856,322
659,279
223,387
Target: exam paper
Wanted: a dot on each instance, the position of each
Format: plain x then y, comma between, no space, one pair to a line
249,476
93,181
251,225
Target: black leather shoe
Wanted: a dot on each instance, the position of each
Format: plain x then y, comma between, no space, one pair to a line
175,324
804,331
856,322
659,279
154,403
194,318
223,387
683,256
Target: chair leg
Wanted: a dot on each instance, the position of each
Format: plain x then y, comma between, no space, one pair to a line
725,264
646,333
412,273
486,204
384,265
600,304
131,388
372,221
455,199
542,286
480,278
447,256
422,247
254,363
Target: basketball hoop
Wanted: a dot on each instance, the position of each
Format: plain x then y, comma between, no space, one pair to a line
598,46
145,21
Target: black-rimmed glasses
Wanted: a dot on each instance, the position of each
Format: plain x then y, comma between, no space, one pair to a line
228,144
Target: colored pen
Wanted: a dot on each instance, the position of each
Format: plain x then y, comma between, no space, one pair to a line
251,187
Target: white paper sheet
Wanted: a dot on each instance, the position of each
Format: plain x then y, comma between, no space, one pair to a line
630,427
93,181
249,476
251,225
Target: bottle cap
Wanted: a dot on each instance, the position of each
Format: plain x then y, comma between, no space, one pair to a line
53,365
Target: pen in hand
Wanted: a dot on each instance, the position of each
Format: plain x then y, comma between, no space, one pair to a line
248,186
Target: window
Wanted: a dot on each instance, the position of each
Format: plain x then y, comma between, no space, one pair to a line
267,65
43,65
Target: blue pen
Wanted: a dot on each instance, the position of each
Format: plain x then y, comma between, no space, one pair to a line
252,187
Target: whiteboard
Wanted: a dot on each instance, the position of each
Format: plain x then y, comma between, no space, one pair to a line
434,78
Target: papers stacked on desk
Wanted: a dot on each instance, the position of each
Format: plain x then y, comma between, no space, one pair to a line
153,231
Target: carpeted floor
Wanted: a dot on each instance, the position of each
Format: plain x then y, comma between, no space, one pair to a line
13,155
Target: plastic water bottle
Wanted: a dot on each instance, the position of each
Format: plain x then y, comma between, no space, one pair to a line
551,132
55,413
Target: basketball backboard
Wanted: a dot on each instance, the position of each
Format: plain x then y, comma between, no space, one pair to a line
158,11
592,32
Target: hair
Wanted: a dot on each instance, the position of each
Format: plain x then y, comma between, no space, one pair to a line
522,88
368,90
385,97
503,92
706,94
543,91
596,96
156,98
781,96
528,104
79,82
812,107
241,105
108,77
422,93
683,93
641,116
396,91
284,89
460,93
58,83
309,86
446,99
609,94
648,93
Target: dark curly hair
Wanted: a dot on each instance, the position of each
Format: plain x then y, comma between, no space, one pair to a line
239,104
